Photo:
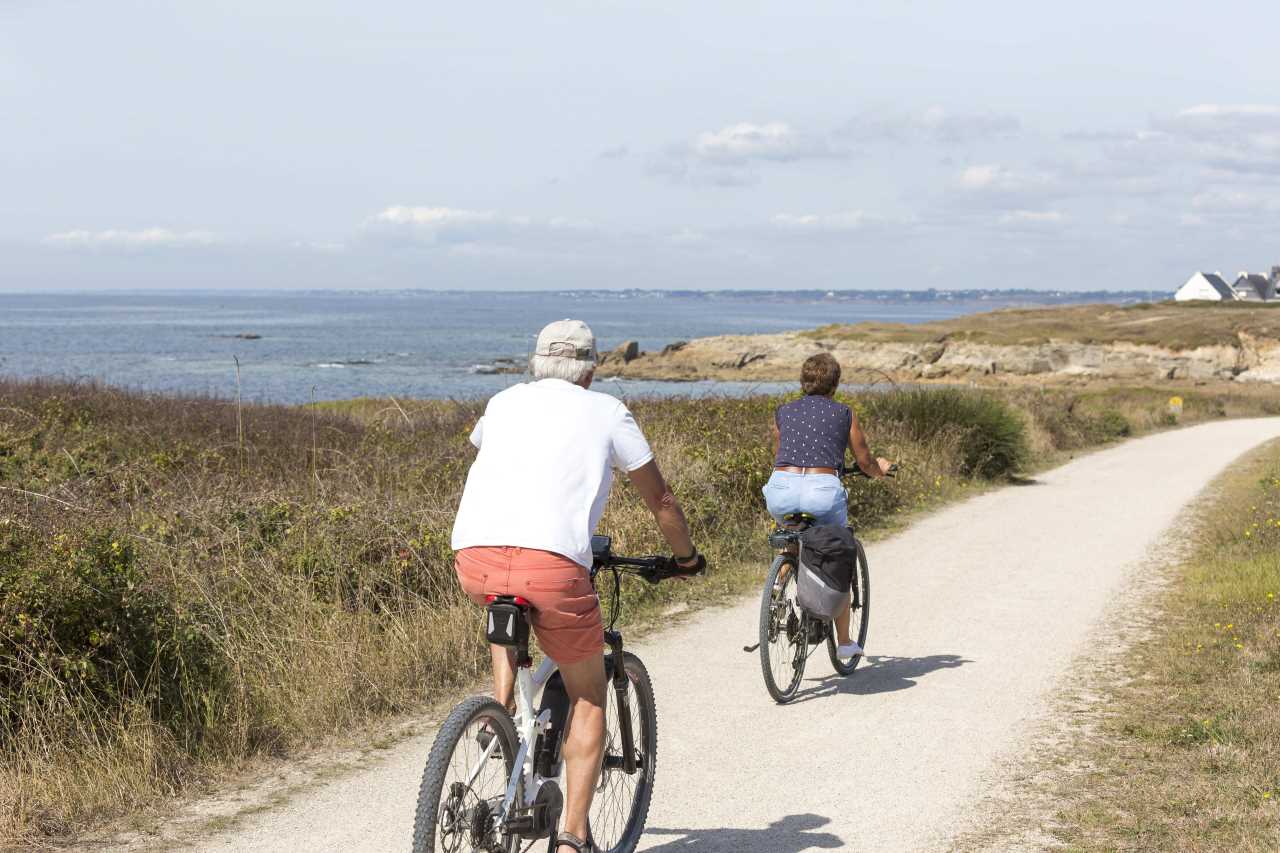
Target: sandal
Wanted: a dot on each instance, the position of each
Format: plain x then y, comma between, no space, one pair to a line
576,843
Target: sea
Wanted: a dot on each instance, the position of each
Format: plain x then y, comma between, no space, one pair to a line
298,346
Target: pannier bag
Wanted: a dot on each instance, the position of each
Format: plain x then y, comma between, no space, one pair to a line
827,557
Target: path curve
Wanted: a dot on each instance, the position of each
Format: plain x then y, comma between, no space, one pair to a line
978,613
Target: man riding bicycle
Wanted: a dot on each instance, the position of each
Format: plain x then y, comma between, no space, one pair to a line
533,497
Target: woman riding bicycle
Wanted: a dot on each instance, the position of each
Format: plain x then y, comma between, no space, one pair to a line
809,439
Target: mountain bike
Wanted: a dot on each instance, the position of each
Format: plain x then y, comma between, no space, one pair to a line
788,634
491,783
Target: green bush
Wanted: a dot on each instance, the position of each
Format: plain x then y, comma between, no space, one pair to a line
80,621
993,439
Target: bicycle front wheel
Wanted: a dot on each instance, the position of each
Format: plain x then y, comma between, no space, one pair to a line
783,644
465,780
621,802
860,607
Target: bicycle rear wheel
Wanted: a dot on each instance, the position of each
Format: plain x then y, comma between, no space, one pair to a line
783,644
860,605
621,802
464,782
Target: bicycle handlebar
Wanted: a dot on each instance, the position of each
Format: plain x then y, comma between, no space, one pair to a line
653,568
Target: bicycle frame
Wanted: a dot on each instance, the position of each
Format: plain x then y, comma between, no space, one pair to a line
528,688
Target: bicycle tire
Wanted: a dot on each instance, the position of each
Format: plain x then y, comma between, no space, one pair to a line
860,617
777,659
461,728
619,808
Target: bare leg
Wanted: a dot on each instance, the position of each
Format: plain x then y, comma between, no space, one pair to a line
842,620
583,747
504,675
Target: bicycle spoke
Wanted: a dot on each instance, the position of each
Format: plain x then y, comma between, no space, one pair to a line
470,778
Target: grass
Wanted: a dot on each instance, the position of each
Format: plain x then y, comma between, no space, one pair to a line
186,587
1188,758
1173,325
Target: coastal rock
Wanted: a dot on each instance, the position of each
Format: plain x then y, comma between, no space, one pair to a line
778,357
627,351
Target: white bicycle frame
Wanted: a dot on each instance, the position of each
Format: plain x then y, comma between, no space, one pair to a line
528,688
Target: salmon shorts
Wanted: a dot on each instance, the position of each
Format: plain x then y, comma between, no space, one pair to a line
566,610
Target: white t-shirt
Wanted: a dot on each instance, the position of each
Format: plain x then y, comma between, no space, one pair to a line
542,477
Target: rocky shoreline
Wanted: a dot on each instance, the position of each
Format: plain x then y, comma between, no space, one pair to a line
777,357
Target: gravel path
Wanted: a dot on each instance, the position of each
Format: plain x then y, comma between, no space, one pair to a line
978,612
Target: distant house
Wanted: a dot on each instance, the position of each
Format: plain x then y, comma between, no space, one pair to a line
1206,285
1255,287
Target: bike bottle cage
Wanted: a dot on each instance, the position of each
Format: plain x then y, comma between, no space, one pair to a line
507,623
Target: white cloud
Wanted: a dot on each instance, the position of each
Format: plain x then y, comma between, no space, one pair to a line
457,228
324,247
1233,138
992,177
146,238
433,217
979,177
1231,110
847,221
1235,200
729,156
934,124
1033,217
991,185
745,141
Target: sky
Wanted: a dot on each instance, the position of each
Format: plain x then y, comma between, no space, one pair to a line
879,144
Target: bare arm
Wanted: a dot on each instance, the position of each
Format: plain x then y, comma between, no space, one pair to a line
777,437
666,510
870,465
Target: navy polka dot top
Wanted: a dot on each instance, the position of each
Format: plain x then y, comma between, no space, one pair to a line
813,432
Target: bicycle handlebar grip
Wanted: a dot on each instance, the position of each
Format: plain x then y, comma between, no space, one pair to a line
855,470
672,569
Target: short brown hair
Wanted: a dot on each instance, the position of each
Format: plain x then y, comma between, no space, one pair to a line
820,374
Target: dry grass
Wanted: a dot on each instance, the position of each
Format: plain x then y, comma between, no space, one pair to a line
1175,325
1189,755
185,587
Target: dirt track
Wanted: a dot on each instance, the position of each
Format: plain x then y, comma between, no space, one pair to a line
977,614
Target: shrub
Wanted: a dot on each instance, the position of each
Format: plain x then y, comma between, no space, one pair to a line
82,624
992,435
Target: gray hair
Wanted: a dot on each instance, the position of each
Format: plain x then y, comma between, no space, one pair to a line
557,367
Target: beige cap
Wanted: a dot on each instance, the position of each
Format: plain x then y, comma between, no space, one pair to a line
567,339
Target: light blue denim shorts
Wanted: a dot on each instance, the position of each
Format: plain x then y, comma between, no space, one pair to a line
821,495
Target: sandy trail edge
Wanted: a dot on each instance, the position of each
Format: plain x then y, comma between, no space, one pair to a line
977,614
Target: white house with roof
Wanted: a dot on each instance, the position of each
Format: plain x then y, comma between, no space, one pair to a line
1208,286
1255,287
